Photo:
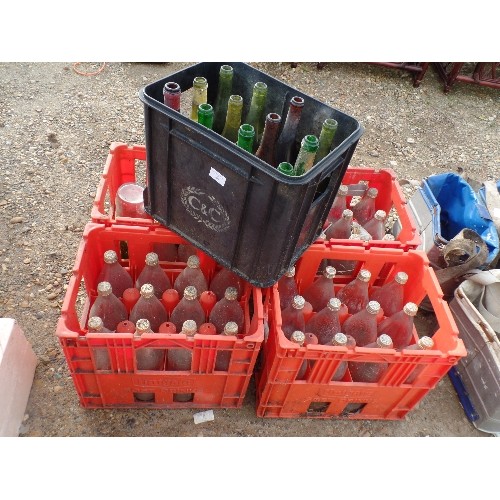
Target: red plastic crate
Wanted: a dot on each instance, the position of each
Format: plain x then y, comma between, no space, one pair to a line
279,394
116,387
390,197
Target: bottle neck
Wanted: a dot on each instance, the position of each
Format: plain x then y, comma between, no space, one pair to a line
266,148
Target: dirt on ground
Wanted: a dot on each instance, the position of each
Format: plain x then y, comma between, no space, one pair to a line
56,127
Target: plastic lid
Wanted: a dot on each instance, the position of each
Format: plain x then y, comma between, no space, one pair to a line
231,328
152,259
147,290
364,275
373,307
380,214
343,190
329,272
298,302
298,337
193,262
347,214
189,327
231,293
190,292
401,278
110,257
372,192
142,325
291,272
410,308
95,323
339,339
334,304
104,288
425,343
384,341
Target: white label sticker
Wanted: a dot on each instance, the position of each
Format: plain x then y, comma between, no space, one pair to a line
217,176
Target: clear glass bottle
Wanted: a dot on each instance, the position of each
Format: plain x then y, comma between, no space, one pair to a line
224,89
228,309
233,118
364,210
326,136
153,274
375,227
292,317
246,137
191,275
108,307
371,372
321,290
101,356
286,141
341,228
189,308
390,296
325,323
200,93
339,339
170,298
286,168
149,307
299,338
113,272
172,96
267,147
224,278
307,153
287,288
339,204
256,116
355,294
399,326
362,326
223,357
423,344
206,115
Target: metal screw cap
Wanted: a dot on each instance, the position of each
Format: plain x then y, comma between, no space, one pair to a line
372,192
334,304
347,214
189,327
373,307
95,323
329,272
231,293
104,288
147,290
298,302
190,292
291,272
384,341
410,308
425,343
379,215
401,278
298,337
152,259
193,262
340,339
343,189
364,275
231,328
110,257
142,325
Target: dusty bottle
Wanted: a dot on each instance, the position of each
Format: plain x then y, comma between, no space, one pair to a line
355,294
287,288
292,317
154,275
170,298
130,297
370,372
113,272
167,327
326,137
325,323
191,275
125,327
246,137
255,116
184,251
101,356
307,311
286,140
206,115
339,204
208,299
376,225
224,356
341,228
200,92
305,158
390,296
399,326
363,324
285,168
299,338
321,291
224,278
108,307
224,89
364,210
267,148
310,339
341,340
228,309
189,308
96,325
233,118
149,307
165,251
172,95
423,344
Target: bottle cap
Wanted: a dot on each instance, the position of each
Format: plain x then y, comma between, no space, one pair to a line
372,192
334,304
347,214
231,293
373,307
298,337
355,236
189,327
291,272
190,292
298,302
152,259
410,308
147,290
297,101
425,343
142,325
388,237
401,278
329,272
339,339
95,323
343,190
364,275
379,215
384,341
171,88
104,288
231,328
110,257
193,262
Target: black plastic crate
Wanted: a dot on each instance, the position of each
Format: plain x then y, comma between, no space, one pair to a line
227,202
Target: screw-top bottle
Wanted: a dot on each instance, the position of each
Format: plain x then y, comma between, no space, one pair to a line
355,294
172,95
224,278
191,275
189,307
224,89
96,325
321,290
153,274
113,272
341,228
108,307
326,137
339,204
228,309
307,152
287,288
341,340
267,148
206,115
325,323
399,326
286,168
390,296
149,307
233,118
423,344
223,357
286,140
299,338
246,137
125,326
364,210
371,372
376,225
170,298
101,355
363,324
292,317
255,116
200,92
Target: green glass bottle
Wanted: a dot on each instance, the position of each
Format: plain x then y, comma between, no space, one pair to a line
200,91
246,135
285,168
223,92
326,138
256,116
206,115
305,158
233,118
